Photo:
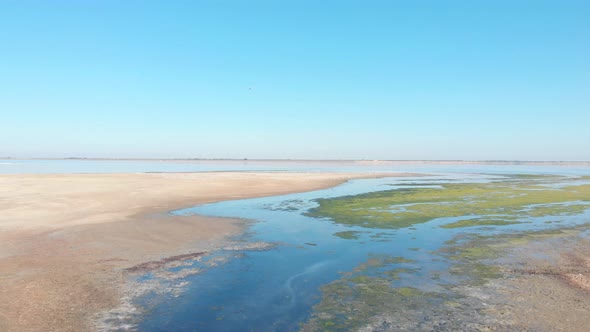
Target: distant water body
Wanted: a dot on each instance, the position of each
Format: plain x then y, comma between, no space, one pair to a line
65,166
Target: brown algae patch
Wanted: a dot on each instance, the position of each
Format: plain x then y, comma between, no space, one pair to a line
497,203
168,261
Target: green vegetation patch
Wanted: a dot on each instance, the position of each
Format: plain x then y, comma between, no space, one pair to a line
479,222
380,264
495,203
558,210
472,260
348,235
474,256
350,302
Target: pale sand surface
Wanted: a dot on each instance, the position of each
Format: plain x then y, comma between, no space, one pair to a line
65,240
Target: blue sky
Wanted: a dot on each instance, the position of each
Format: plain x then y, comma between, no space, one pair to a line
296,79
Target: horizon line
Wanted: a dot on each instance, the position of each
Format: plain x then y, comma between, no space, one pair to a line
301,160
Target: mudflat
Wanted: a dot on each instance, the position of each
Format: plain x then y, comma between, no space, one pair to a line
66,240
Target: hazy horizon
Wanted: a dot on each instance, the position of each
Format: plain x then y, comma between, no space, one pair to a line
483,161
334,80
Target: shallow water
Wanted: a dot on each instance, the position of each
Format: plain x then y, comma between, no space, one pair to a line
276,289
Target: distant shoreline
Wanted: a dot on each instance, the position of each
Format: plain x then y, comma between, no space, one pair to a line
339,161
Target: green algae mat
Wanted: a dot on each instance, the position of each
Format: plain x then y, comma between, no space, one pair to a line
508,201
380,294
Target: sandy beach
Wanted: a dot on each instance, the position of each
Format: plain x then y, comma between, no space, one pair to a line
67,239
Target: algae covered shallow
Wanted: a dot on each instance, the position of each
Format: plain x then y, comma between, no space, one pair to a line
373,296
378,254
504,202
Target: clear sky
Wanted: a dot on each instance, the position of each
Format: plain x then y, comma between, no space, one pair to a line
473,79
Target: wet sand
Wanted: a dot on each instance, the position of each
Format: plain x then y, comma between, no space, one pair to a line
543,285
547,285
67,240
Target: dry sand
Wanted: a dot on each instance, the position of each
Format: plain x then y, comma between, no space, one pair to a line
65,240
